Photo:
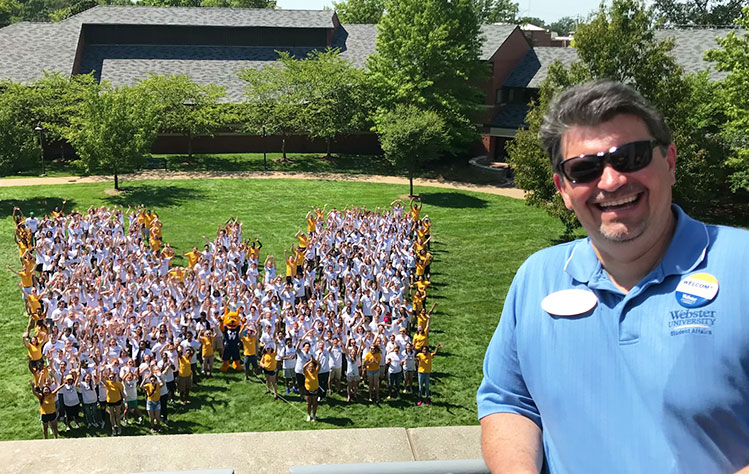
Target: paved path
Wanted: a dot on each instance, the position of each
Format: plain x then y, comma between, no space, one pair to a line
161,175
246,453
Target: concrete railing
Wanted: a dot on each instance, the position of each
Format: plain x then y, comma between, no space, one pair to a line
466,466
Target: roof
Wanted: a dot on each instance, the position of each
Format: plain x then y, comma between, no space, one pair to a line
235,17
494,36
27,48
356,43
534,67
511,116
690,46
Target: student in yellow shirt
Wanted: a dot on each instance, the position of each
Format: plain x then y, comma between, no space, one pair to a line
27,279
268,363
249,349
48,408
372,366
192,257
34,351
115,396
425,369
184,374
152,387
421,338
208,342
311,372
422,319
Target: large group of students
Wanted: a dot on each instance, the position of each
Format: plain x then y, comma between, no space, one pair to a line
113,323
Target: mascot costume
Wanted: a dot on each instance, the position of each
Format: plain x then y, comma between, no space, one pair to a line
229,326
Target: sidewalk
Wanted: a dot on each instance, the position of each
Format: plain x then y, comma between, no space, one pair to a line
164,175
246,453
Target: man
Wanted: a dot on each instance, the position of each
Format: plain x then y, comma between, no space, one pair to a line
643,367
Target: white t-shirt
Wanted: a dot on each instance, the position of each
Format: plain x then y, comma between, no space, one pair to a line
395,363
69,395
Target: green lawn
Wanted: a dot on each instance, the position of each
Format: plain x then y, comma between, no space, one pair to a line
479,242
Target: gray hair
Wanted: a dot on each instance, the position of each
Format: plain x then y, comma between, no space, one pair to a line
592,103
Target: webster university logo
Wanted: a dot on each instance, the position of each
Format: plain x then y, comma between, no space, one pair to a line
691,321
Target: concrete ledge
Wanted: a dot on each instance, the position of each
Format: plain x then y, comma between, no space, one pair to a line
245,453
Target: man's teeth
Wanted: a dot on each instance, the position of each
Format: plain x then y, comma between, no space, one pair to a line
620,202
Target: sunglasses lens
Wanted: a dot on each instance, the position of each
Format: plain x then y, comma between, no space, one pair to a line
625,159
583,169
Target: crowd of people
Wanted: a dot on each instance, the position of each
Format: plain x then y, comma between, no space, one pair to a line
113,323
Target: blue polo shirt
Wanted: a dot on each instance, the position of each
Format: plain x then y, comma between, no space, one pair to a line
640,383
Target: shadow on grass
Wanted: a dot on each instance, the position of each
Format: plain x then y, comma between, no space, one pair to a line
40,206
453,200
134,194
336,420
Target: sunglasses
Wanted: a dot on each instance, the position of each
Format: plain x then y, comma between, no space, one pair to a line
626,158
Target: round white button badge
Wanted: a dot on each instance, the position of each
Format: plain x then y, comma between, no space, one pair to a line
571,302
697,290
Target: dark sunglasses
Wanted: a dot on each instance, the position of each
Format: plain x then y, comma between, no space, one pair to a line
625,158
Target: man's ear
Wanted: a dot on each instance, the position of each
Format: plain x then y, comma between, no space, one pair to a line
671,161
560,184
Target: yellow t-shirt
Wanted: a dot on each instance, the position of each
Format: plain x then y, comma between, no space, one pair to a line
192,258
253,253
372,361
420,340
27,278
249,345
425,362
311,225
153,391
184,367
114,391
290,265
303,241
47,406
269,361
300,257
34,304
310,379
35,351
207,347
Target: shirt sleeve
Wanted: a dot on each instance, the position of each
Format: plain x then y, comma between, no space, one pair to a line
503,389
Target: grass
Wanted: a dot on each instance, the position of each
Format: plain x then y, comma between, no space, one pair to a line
298,162
480,240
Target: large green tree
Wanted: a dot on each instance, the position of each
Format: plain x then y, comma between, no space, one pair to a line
497,11
428,54
698,12
185,107
19,148
359,11
115,128
619,44
410,137
733,57
322,96
565,25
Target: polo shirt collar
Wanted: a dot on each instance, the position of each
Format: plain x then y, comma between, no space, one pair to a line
686,251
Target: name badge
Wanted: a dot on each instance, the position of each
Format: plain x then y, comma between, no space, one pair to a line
571,302
697,290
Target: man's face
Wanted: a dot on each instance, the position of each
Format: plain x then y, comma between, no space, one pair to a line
619,207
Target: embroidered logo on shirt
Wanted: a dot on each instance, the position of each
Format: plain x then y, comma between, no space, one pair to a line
685,321
696,290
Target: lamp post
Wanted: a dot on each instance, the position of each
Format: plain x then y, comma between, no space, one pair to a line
190,104
40,132
265,159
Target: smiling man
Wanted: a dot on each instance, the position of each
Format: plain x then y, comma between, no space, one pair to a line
627,351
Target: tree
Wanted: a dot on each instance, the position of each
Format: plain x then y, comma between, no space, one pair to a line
531,20
565,25
427,54
410,136
619,44
733,57
19,148
332,93
698,12
321,95
359,11
497,11
185,107
115,128
10,12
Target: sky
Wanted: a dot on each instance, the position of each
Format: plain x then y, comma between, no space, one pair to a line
547,10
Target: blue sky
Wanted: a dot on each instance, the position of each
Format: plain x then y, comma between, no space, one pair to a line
547,10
